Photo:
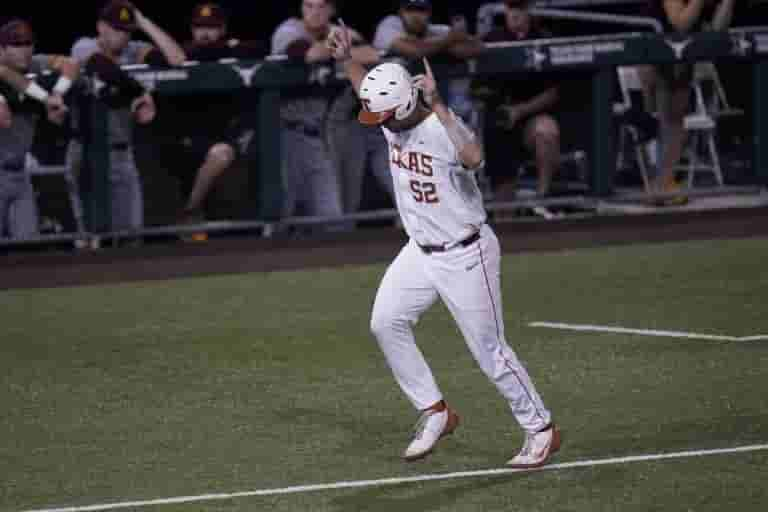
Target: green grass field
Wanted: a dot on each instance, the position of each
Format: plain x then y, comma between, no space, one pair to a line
263,381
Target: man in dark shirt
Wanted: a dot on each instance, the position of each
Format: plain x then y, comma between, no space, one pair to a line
211,126
528,102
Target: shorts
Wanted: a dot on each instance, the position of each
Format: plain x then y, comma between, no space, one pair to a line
183,155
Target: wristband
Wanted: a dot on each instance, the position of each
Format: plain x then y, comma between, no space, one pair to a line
35,91
63,85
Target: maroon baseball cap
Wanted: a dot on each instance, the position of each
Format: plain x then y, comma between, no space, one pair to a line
209,15
120,15
16,31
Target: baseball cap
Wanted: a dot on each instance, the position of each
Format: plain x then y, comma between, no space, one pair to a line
209,15
422,5
120,15
16,31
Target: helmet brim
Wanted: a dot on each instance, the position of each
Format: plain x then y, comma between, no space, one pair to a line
374,118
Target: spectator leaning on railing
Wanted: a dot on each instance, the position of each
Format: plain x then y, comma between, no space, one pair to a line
528,108
411,35
21,104
353,146
308,174
102,57
204,132
672,83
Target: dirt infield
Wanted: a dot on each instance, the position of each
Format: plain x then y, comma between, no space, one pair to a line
156,262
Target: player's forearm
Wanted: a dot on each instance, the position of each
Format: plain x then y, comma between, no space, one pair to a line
683,16
418,48
467,49
318,52
355,73
174,54
66,66
69,69
110,72
465,142
723,15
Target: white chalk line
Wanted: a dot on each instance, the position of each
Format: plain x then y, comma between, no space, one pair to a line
404,480
645,332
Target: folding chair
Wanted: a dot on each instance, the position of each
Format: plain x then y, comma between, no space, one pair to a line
716,101
644,154
701,125
34,168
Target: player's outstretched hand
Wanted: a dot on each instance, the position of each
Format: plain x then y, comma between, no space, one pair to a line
427,84
143,108
340,42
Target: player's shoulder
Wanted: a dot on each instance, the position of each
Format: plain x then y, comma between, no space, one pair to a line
435,135
291,25
391,22
84,46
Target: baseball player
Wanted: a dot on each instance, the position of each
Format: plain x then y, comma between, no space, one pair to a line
20,110
308,174
452,254
102,56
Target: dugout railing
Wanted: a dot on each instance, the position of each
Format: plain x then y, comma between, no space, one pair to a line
263,81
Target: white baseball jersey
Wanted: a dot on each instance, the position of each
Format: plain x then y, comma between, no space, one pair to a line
440,204
438,199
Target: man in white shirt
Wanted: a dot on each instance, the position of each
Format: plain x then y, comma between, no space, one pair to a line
452,254
411,35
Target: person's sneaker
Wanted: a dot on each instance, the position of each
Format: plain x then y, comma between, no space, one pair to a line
187,217
537,449
679,199
436,422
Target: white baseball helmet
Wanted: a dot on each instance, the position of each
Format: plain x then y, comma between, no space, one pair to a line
387,90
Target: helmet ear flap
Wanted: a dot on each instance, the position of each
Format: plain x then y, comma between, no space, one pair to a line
407,109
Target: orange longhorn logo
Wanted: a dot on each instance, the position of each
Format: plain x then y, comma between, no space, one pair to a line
206,12
125,15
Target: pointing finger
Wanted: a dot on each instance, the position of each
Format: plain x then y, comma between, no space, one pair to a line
428,68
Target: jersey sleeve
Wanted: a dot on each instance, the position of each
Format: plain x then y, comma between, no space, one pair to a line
389,30
438,30
283,37
138,49
84,49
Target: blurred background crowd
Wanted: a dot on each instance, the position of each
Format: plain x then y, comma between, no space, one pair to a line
186,160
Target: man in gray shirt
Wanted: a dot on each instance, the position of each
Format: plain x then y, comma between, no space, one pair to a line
114,47
22,103
411,35
308,174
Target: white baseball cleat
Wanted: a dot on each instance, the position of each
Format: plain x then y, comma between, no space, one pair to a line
537,449
434,423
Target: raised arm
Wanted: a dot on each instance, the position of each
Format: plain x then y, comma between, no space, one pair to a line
174,54
414,48
53,102
466,144
723,15
339,44
683,15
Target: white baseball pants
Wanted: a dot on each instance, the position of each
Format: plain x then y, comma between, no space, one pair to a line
468,280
